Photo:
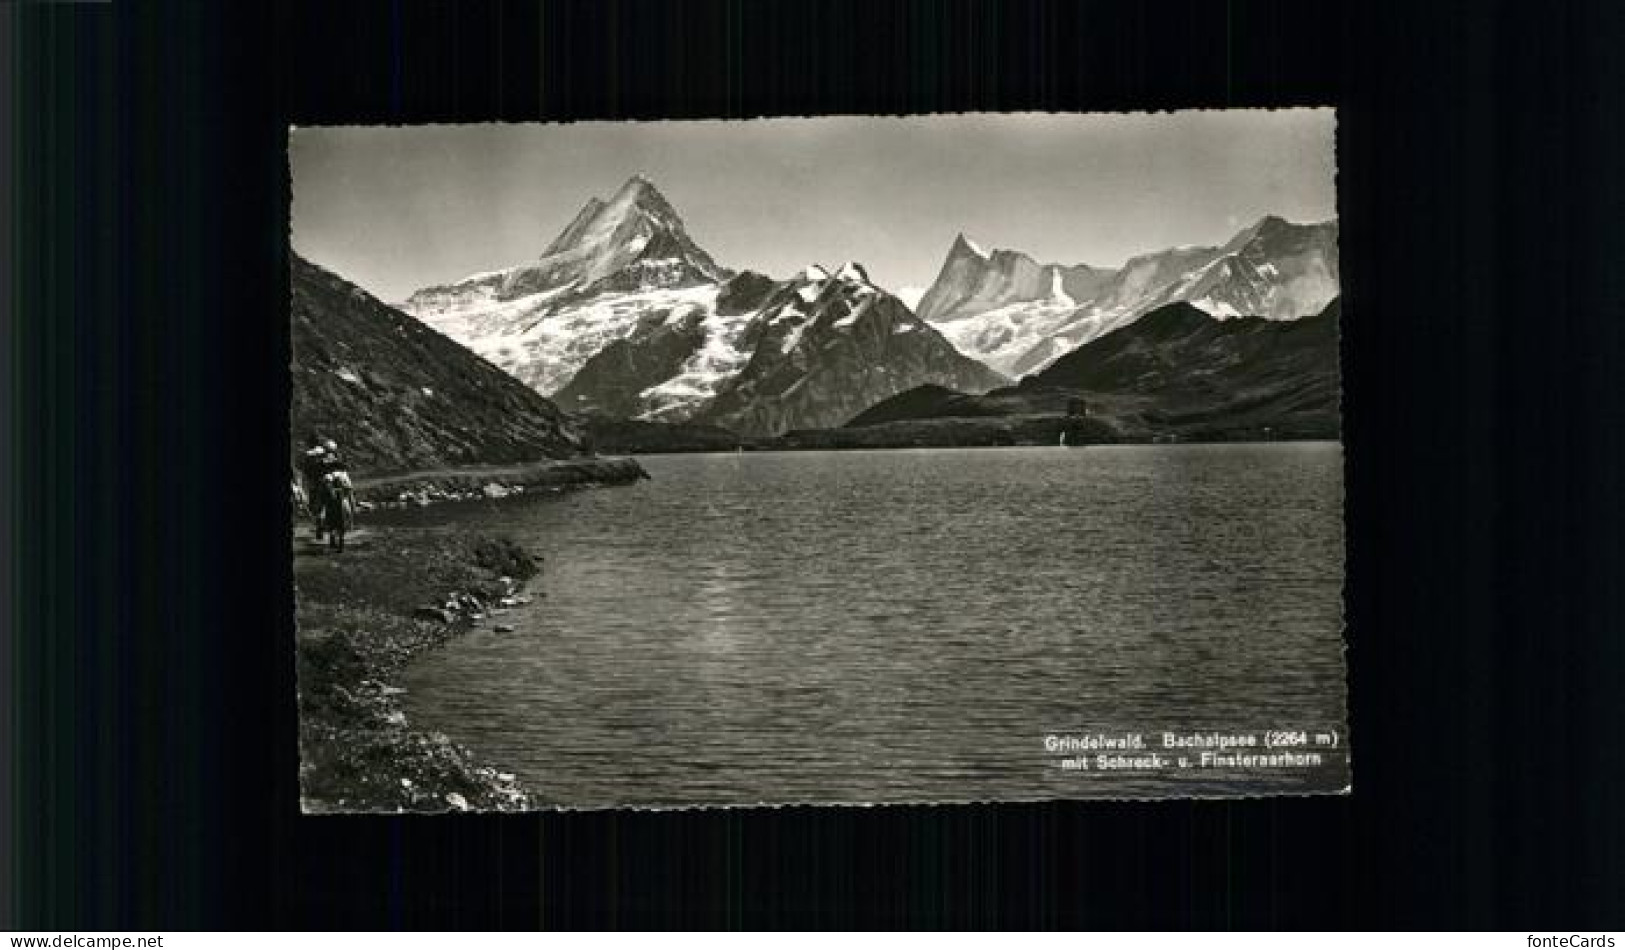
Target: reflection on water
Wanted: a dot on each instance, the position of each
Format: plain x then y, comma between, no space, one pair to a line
906,625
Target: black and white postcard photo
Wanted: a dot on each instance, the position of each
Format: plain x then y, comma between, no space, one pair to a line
933,466
827,461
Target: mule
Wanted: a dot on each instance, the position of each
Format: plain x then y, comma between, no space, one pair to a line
337,508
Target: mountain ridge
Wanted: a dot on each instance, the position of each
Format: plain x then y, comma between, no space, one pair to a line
396,395
624,316
1017,315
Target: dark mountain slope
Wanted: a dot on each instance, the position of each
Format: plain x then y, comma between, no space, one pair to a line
396,395
926,402
1175,372
1180,350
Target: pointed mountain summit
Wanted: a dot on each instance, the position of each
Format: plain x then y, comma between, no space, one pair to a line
973,281
1269,228
965,247
635,240
617,262
995,305
636,207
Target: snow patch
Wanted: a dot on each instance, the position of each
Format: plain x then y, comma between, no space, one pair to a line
544,342
1057,293
1002,336
792,339
486,275
1217,308
721,357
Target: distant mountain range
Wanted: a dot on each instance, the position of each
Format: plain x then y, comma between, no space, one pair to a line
1018,316
396,395
1177,372
625,316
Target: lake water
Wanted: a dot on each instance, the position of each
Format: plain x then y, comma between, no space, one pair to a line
910,625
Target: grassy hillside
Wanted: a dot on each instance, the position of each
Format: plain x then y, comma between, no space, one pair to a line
398,396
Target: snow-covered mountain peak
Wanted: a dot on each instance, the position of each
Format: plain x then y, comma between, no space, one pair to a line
632,243
973,281
813,273
1272,231
632,217
639,195
965,247
852,272
639,183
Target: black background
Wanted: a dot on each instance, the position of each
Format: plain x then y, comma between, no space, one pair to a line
151,736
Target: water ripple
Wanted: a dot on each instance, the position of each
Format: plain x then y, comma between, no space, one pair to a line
905,626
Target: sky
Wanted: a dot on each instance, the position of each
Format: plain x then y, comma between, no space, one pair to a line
397,208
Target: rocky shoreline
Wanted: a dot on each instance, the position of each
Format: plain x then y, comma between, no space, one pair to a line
494,481
362,618
394,594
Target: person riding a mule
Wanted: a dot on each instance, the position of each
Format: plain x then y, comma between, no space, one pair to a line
336,505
